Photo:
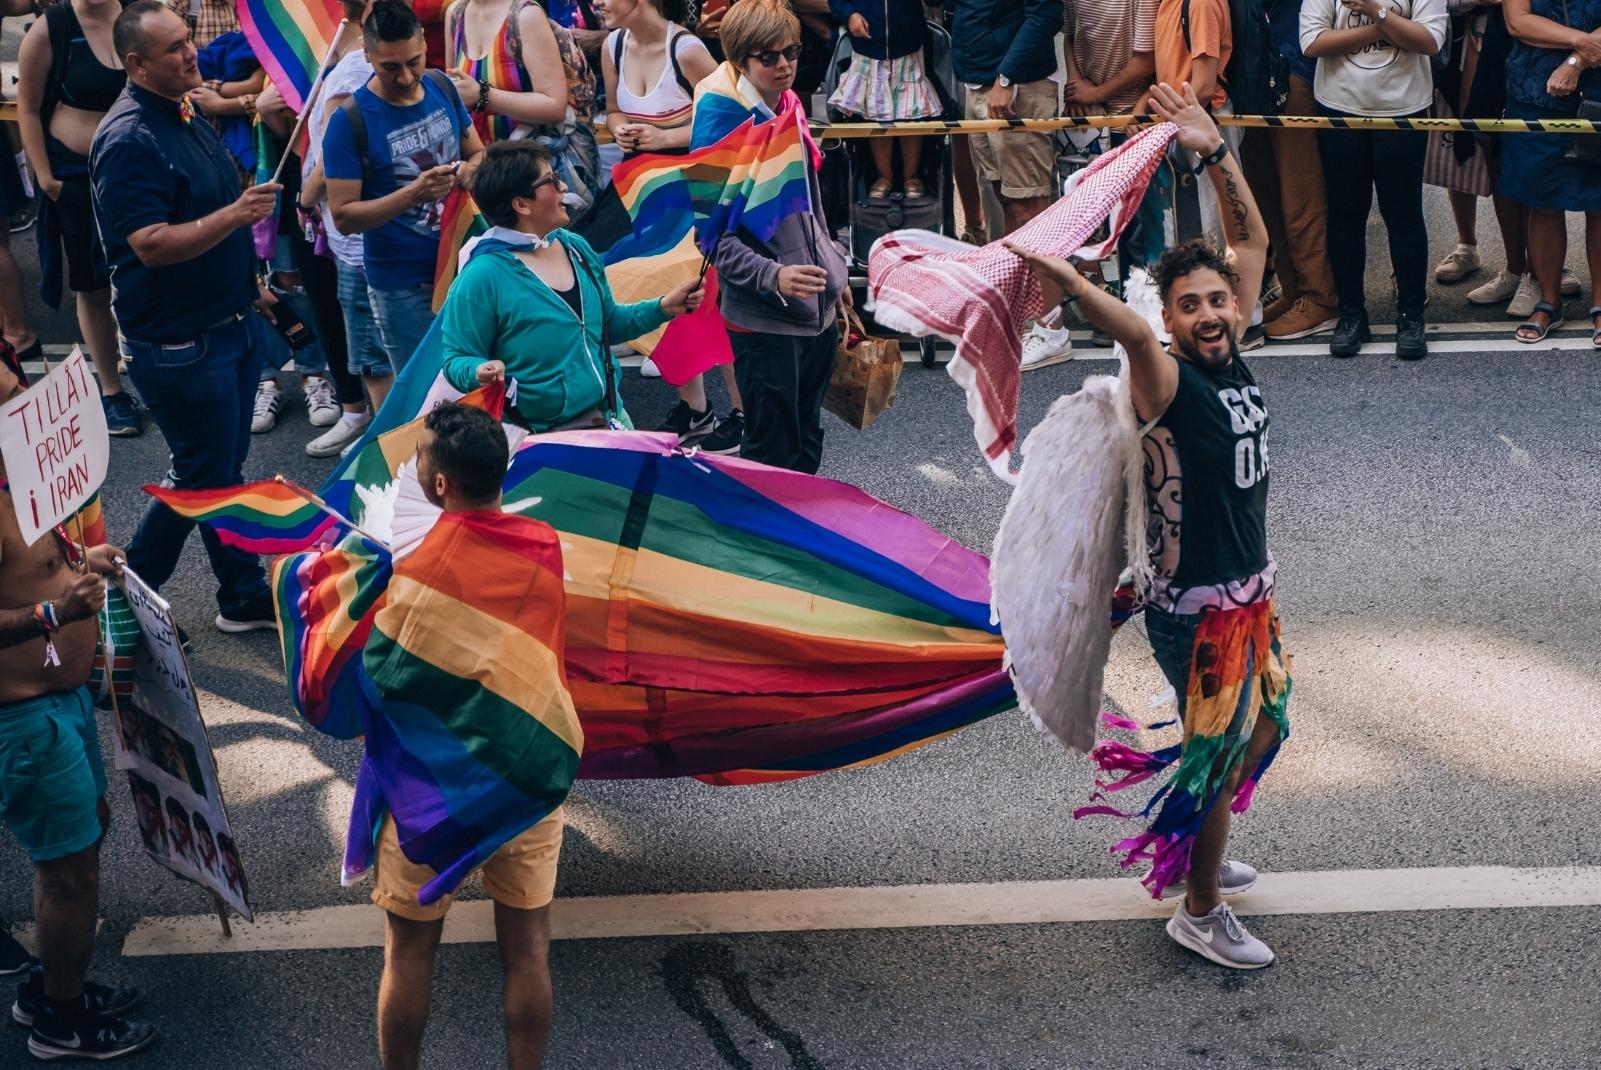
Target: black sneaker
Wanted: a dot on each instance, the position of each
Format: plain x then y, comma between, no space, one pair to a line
14,958
86,1036
688,424
1409,337
1254,338
257,614
1350,333
726,437
97,998
122,418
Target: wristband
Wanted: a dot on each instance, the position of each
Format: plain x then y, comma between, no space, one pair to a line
482,103
1213,157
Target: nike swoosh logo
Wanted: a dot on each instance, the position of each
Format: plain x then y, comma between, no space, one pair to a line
72,1043
1206,935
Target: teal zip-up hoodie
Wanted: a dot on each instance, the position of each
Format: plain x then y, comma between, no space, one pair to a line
500,310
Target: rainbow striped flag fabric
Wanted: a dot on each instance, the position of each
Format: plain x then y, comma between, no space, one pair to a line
265,517
473,736
290,38
752,178
461,221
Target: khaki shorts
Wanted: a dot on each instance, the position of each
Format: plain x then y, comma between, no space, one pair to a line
521,875
1023,161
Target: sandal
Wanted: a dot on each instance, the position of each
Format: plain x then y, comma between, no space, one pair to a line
1595,332
1553,315
879,191
915,190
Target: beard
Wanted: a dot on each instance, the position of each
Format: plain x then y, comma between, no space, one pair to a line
1192,353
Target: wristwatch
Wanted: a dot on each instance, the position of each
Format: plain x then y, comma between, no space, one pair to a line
1384,11
1003,81
1573,60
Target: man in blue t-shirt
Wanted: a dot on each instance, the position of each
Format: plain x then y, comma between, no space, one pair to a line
411,142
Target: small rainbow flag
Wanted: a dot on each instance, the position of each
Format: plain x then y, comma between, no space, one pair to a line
461,222
751,179
266,517
290,38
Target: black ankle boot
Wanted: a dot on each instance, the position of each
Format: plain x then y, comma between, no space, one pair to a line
1350,333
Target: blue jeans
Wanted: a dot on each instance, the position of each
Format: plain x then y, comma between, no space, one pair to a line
200,394
366,350
275,351
404,317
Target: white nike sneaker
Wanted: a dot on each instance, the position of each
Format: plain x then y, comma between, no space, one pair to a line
1043,346
1219,936
1232,879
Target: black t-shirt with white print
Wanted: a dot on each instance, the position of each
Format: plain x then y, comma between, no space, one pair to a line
1206,464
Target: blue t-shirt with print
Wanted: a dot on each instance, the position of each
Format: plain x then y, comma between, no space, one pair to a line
402,143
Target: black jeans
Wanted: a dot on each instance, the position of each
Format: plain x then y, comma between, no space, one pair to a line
320,279
782,379
1355,163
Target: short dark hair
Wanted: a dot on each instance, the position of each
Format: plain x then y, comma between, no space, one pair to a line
1198,254
128,32
390,20
508,169
469,447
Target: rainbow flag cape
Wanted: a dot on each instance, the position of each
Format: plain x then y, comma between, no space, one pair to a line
290,38
752,179
471,733
460,222
265,517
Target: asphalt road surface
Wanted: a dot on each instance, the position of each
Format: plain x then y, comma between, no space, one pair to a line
1435,526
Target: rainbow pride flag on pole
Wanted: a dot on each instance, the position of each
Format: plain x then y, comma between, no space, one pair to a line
265,517
290,38
461,221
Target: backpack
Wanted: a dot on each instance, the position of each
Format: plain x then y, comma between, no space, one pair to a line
1257,78
358,124
672,57
580,79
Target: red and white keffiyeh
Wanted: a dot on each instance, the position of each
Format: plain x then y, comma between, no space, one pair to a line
923,283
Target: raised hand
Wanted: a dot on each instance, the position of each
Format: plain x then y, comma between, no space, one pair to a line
1197,131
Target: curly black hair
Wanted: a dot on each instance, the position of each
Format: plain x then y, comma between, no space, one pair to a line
1197,255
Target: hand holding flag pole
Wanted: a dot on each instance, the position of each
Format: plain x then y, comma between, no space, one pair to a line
311,94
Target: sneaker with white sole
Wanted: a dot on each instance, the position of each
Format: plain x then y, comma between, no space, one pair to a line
256,615
689,424
727,436
1219,936
1522,304
321,408
265,417
1233,878
1043,347
1301,320
1458,264
1570,284
333,441
648,369
96,998
87,1036
1502,285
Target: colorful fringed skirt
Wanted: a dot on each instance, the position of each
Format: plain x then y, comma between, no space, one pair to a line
1227,667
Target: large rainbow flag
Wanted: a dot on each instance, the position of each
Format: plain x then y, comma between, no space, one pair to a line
290,38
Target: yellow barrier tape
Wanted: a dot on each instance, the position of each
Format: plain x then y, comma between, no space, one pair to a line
924,128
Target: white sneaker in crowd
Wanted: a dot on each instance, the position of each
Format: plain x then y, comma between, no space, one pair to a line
1523,302
332,442
1502,285
1220,937
1458,264
648,369
265,417
321,408
1570,284
1044,346
1233,878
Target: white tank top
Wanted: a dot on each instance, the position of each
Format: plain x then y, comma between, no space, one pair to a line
668,104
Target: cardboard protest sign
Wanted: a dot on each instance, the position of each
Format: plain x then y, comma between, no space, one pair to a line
161,742
53,438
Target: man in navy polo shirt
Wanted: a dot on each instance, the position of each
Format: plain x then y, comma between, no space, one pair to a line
176,233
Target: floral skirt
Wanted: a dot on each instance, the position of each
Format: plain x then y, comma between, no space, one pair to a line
887,89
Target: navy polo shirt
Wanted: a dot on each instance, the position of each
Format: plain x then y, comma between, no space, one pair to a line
148,166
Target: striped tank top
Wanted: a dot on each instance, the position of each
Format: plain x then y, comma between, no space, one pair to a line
500,67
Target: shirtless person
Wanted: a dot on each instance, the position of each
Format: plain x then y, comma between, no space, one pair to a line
52,783
1209,615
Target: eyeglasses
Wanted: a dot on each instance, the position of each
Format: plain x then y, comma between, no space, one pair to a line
771,58
545,180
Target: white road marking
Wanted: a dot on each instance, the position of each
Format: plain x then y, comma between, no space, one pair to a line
893,907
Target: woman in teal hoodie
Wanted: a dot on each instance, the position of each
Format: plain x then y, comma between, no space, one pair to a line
533,303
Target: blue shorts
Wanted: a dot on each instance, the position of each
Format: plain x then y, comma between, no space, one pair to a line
404,317
51,776
367,355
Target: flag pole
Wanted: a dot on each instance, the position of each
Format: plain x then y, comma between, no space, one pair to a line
311,97
330,510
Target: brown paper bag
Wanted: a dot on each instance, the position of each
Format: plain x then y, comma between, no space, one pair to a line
866,370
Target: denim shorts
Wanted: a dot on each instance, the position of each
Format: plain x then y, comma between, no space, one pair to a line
51,776
404,317
366,348
1172,638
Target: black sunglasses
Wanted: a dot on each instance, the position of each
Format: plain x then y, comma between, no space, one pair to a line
771,58
545,180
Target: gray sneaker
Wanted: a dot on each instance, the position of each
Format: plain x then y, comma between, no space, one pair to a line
1220,937
1232,878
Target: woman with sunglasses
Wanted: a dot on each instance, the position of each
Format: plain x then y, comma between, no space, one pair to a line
780,297
533,303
